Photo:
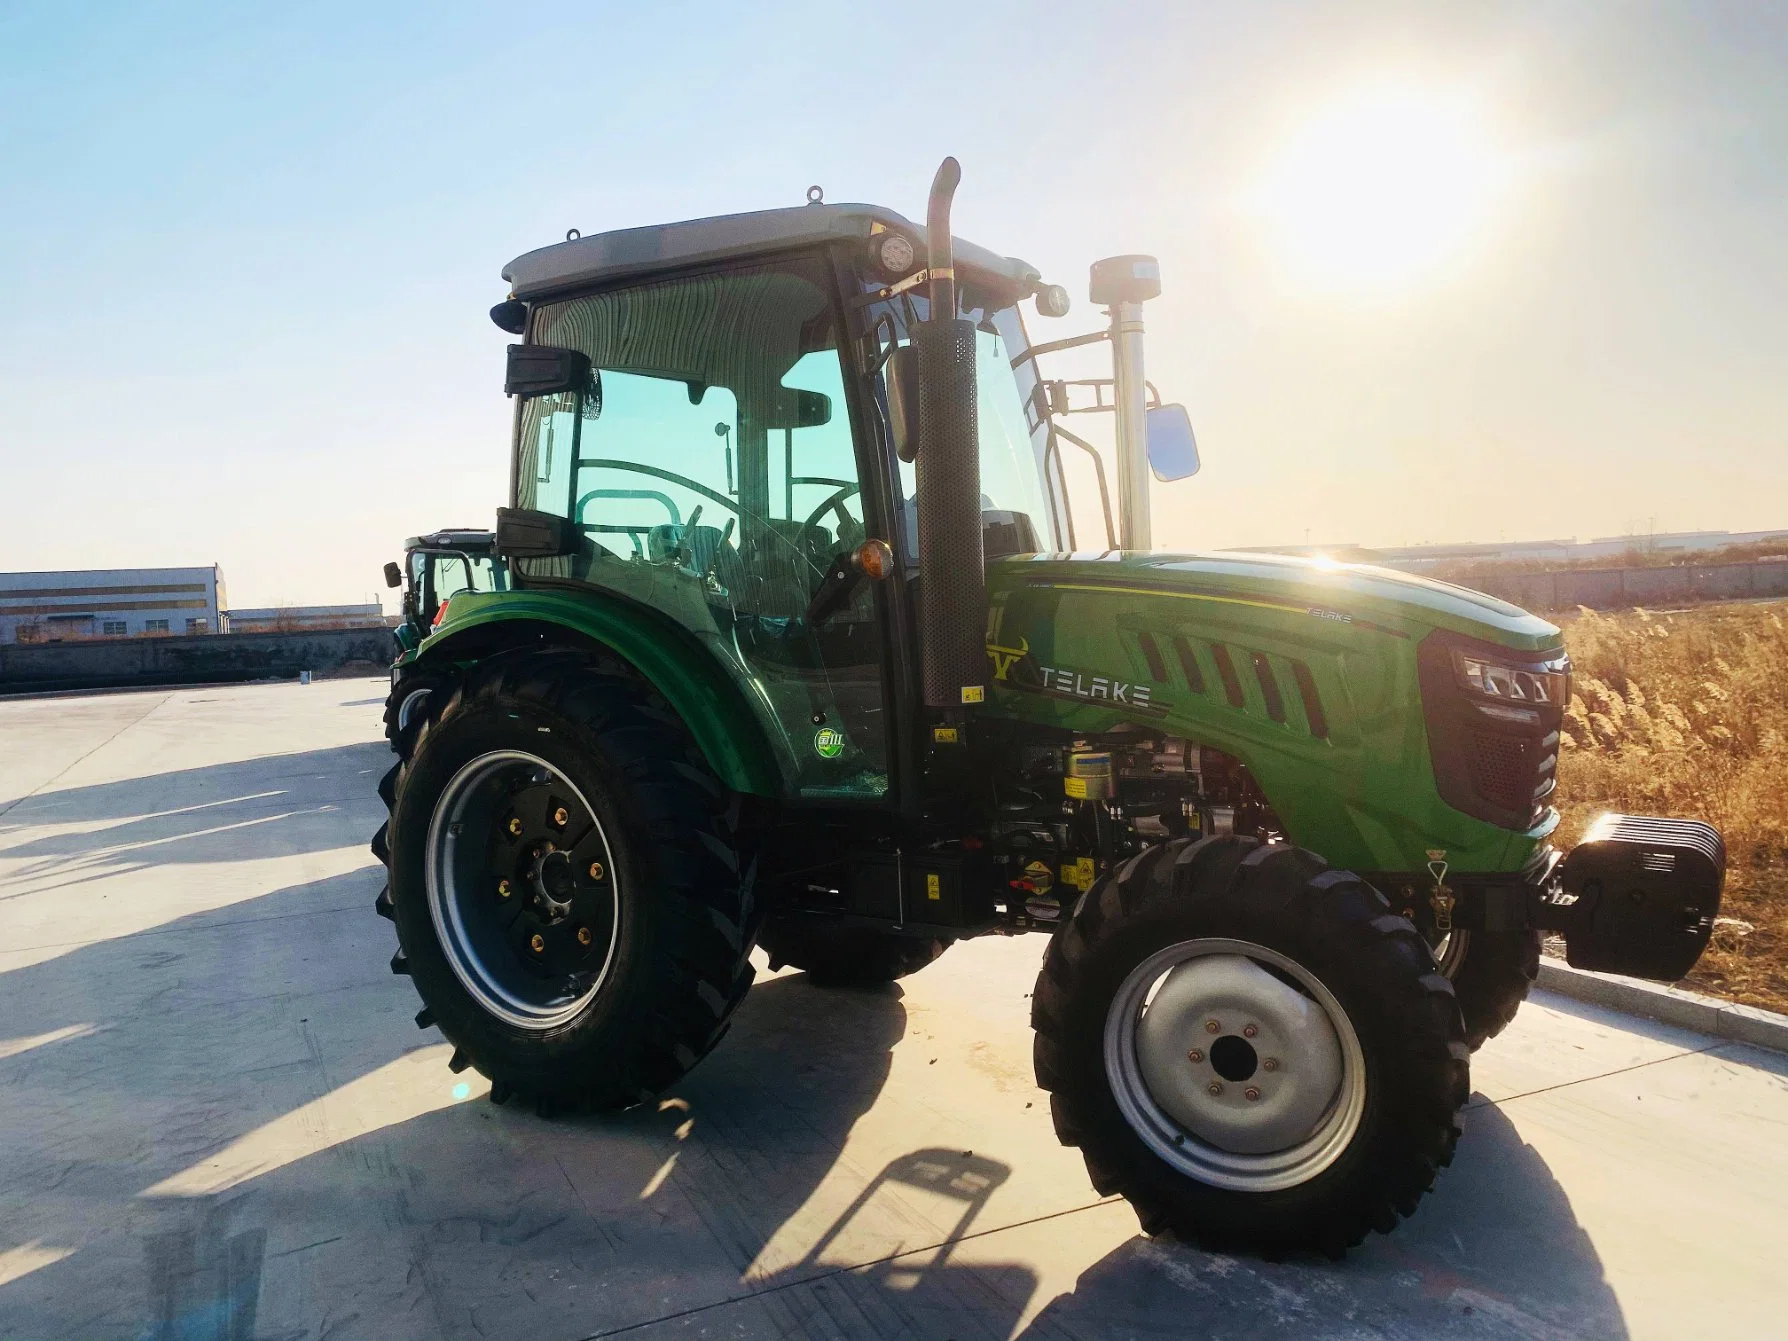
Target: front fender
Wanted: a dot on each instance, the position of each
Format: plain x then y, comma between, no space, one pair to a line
745,748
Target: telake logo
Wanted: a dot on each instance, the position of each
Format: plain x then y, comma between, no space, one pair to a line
1096,687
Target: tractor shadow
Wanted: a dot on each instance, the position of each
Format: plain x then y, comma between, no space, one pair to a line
1495,1251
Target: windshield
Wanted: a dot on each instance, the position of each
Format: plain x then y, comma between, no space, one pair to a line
1013,437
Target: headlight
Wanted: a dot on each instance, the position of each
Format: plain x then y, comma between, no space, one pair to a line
1516,692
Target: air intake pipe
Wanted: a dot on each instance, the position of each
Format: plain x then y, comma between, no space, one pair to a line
952,568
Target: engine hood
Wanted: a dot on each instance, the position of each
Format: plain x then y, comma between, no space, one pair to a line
1353,593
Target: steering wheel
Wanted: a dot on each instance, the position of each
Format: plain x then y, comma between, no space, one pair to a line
834,503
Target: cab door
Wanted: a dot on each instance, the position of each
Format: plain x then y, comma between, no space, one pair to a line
713,470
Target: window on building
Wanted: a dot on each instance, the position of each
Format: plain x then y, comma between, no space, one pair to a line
155,626
197,625
115,628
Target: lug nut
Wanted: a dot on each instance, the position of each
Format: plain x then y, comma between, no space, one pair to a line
1270,1064
537,942
1248,1031
583,936
502,889
1195,1056
515,826
1251,1092
560,816
1214,1088
1212,1027
595,870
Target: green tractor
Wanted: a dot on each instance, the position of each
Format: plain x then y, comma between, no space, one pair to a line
436,568
804,647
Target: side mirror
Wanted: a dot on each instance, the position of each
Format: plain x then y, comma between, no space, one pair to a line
541,370
1173,450
522,534
901,381
394,576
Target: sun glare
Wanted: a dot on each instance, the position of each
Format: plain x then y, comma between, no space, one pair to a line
1382,188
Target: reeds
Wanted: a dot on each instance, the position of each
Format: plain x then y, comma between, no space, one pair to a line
1686,713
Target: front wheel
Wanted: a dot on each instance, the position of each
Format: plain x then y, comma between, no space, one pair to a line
1250,1048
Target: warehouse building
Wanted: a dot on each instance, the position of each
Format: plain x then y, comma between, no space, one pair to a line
295,618
110,603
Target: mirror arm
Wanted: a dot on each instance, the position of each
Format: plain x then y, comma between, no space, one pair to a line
1099,466
1055,346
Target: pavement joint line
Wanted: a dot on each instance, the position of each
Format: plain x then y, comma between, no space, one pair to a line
1728,1020
833,1272
1603,1075
180,931
8,807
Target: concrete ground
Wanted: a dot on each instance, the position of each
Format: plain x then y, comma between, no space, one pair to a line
218,1120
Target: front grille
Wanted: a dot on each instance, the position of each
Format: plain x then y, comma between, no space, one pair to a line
1486,763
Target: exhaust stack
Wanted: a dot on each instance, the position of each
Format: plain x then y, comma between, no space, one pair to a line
952,567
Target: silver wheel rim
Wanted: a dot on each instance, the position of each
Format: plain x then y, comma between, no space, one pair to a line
1275,1127
1449,951
471,919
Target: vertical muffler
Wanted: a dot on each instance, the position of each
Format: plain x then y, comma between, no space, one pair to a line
952,568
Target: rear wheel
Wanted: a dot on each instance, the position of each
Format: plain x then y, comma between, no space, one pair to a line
1491,972
1250,1048
567,885
835,956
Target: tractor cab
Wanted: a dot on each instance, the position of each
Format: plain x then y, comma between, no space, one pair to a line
437,567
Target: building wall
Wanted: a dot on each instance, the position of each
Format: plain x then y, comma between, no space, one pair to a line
102,603
287,618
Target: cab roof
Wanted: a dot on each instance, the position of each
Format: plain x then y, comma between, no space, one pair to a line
454,537
627,252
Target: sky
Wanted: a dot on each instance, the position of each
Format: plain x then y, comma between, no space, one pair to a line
1431,272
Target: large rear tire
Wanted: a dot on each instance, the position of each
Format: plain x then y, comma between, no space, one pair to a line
567,884
1491,972
1250,1048
835,956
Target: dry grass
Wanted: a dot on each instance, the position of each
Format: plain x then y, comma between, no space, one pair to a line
1687,714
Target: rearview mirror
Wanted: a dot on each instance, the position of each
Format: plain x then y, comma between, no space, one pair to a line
795,408
1173,450
541,370
902,383
394,576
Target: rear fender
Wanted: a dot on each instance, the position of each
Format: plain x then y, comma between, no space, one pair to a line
737,741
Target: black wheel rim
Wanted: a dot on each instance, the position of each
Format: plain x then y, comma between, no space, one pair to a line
522,889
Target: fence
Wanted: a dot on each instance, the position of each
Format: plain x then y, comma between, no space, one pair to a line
1623,588
203,658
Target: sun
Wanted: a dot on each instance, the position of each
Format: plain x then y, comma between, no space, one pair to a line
1384,187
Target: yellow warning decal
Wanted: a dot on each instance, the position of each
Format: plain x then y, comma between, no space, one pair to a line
1078,873
933,890
945,735
1075,787
973,693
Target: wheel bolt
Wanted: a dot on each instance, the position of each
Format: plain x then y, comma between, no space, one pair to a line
1270,1064
1214,1088
560,816
515,826
595,870
537,942
503,889
583,936
1248,1031
1251,1092
1212,1027
1195,1056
